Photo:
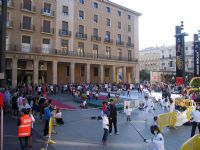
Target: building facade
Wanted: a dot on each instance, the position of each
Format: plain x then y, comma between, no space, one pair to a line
71,41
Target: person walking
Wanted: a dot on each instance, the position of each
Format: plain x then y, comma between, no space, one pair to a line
105,125
24,129
195,120
112,117
158,141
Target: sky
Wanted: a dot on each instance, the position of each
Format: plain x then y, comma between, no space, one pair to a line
159,18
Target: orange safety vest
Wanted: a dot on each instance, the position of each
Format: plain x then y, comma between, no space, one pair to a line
24,129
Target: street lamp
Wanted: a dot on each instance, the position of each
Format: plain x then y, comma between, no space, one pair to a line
180,54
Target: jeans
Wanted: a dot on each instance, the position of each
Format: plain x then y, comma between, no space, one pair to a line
24,143
194,126
128,118
46,128
105,135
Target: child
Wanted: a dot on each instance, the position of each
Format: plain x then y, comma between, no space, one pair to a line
128,113
105,125
58,117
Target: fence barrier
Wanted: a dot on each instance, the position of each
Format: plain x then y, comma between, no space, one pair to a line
192,143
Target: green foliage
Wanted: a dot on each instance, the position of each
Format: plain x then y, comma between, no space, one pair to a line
195,82
145,75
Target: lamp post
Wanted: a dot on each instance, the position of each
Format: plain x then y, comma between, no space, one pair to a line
3,13
196,45
180,54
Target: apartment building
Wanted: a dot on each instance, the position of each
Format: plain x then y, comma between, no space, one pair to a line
56,42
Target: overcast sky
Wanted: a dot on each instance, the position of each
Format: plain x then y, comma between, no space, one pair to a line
159,18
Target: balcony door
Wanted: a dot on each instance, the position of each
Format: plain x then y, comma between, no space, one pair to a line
27,4
26,43
46,45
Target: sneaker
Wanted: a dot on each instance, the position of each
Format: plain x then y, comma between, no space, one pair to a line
110,134
117,133
104,143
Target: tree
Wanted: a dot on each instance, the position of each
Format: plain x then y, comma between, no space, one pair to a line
145,75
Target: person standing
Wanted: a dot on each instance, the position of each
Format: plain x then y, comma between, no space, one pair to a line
105,124
195,120
47,115
148,106
24,129
128,112
112,117
158,140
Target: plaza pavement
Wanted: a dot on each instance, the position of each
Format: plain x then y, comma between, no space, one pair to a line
81,133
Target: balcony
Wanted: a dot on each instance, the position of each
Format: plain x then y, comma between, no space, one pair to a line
95,38
129,45
46,49
48,12
28,8
47,30
9,24
81,36
108,41
65,33
27,27
119,43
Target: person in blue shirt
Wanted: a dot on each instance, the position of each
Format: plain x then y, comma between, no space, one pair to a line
47,115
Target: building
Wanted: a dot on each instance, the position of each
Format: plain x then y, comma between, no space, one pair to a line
71,41
161,61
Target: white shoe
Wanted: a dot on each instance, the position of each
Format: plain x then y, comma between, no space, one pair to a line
110,134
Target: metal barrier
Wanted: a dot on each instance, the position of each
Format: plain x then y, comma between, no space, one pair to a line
51,122
166,120
192,144
183,102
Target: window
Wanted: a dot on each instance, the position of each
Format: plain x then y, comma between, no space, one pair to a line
47,8
68,71
64,26
119,25
46,26
27,4
120,53
108,9
119,38
64,46
81,14
163,57
81,29
82,1
46,45
26,39
95,5
119,13
65,10
171,64
170,56
108,52
107,21
95,32
96,71
27,22
129,40
107,72
129,17
129,28
95,51
107,36
80,49
129,55
95,18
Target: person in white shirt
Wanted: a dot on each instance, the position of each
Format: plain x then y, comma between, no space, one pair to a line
148,106
24,104
195,120
165,104
128,112
58,117
157,142
105,125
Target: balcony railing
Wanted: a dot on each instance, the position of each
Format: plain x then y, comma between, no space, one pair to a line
108,40
47,30
129,45
10,3
28,8
48,12
66,33
50,51
81,36
119,43
26,26
9,24
95,38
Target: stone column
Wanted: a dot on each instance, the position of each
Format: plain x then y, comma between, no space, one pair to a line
114,73
133,74
102,73
14,72
124,74
35,69
55,72
72,70
87,73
